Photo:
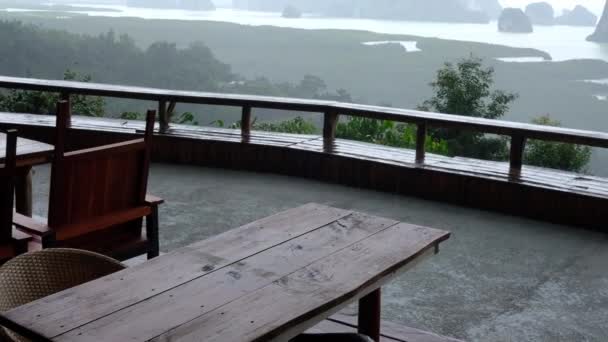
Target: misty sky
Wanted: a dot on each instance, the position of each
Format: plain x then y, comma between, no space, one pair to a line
594,5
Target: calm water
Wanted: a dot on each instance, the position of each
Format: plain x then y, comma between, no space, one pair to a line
561,42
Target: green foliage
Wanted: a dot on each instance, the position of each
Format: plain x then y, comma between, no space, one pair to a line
36,102
465,89
131,116
187,118
386,132
561,156
297,125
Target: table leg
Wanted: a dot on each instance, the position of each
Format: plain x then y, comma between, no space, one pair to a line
369,315
23,192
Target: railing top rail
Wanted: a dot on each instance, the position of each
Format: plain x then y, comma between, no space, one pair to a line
501,127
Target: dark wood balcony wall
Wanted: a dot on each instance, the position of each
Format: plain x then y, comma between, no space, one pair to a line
511,188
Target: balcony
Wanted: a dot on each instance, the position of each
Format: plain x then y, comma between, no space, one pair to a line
502,276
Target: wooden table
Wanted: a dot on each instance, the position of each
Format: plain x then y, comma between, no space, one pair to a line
269,280
29,153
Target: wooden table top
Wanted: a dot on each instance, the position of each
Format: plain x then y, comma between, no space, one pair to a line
29,152
270,279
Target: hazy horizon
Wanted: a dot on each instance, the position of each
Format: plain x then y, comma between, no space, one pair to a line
596,6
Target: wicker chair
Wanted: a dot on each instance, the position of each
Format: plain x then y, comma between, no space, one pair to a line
35,275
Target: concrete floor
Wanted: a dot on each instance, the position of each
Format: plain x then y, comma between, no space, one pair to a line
499,278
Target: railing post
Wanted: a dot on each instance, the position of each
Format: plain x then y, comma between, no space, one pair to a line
246,121
420,142
163,118
330,123
65,96
518,144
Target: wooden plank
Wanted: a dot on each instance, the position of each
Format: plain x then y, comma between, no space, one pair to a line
284,308
184,303
171,270
510,128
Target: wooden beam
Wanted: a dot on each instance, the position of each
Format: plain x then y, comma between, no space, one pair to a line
420,143
518,144
369,315
246,120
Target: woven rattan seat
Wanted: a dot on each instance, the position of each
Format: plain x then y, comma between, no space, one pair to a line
39,274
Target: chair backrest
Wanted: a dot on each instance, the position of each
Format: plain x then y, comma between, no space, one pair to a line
8,143
96,182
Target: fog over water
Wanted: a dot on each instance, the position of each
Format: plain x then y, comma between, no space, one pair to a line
561,42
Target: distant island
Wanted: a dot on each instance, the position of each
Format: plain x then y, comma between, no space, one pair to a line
514,20
542,13
192,5
291,11
579,16
473,11
601,32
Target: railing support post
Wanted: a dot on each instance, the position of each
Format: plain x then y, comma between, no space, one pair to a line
246,121
330,123
421,143
518,144
66,97
163,118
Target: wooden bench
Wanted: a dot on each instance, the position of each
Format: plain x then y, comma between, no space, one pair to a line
540,193
269,280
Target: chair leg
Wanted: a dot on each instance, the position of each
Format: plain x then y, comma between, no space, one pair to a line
152,233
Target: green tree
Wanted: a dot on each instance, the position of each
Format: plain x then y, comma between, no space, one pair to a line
36,102
466,89
561,156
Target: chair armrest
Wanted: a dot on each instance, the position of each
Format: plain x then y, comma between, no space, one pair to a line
29,225
103,222
153,200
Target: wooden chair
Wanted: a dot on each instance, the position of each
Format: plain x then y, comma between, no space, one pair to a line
98,197
12,241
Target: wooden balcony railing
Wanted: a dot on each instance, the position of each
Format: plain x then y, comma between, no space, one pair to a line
331,110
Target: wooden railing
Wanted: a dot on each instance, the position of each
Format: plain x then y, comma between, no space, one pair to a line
331,110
